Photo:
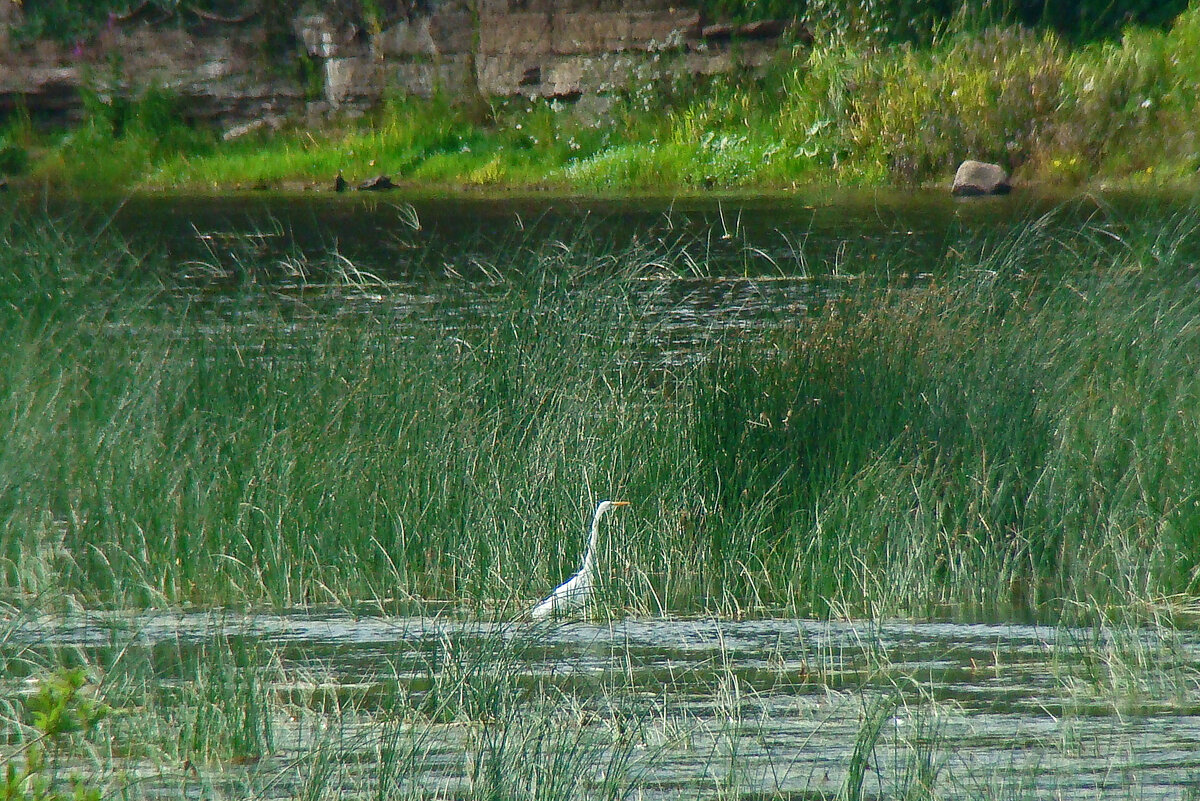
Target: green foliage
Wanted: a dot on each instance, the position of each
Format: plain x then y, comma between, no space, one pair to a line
988,96
891,21
1122,96
749,10
120,138
61,708
69,21
14,159
1008,95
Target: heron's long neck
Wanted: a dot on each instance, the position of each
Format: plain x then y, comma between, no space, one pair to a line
590,555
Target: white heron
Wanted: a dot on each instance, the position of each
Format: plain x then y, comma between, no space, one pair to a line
577,590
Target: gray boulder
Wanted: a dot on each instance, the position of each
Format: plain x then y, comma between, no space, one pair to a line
980,178
377,184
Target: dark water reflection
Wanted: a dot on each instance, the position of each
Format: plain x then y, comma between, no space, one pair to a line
401,239
696,267
816,233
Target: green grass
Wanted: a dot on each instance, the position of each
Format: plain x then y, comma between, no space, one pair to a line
1002,428
1020,421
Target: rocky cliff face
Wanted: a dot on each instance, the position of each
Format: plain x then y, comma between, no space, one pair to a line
246,68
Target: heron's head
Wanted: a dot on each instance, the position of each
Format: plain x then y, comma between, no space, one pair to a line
606,505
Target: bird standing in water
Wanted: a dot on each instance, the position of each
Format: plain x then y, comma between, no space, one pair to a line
576,591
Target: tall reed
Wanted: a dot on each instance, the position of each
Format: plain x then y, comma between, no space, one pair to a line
1018,421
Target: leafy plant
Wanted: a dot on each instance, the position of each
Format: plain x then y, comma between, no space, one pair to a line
61,709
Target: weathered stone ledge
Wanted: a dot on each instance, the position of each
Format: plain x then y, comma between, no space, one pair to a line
226,72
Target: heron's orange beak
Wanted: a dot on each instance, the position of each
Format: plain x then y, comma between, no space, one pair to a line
620,503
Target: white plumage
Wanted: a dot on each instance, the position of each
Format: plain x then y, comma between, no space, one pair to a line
576,591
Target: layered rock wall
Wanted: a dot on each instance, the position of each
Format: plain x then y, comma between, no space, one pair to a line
235,69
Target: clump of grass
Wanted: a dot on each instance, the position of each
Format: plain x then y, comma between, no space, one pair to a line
989,96
929,438
469,677
1128,659
541,754
119,141
223,709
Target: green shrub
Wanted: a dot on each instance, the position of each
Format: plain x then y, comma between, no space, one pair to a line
1118,94
14,159
61,710
120,139
989,96
891,21
66,21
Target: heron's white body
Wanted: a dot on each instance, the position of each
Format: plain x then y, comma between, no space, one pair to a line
576,591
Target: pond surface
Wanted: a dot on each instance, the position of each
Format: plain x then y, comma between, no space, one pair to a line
760,708
400,239
816,233
696,268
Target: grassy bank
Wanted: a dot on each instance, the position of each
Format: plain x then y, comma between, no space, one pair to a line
1112,111
1022,421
